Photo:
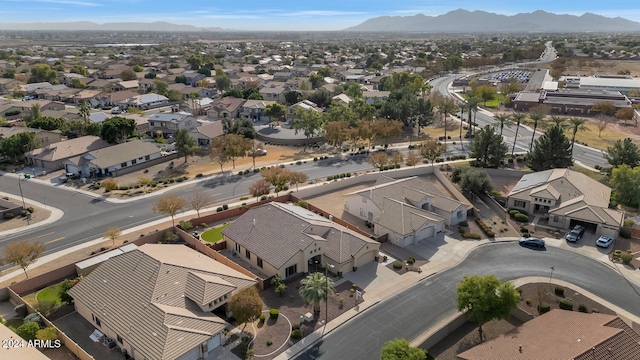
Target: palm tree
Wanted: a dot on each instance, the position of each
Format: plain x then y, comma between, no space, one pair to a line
462,106
472,106
517,118
314,288
535,116
446,107
503,119
558,121
576,124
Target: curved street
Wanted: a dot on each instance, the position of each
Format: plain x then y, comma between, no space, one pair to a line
417,309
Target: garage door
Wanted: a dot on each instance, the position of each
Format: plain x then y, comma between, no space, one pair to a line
607,230
424,233
366,258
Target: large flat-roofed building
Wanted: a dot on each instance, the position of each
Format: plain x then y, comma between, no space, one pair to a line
613,83
569,101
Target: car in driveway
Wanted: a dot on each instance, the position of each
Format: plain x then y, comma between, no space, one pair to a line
575,234
531,241
604,241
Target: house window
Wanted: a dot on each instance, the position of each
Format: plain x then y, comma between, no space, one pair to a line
119,338
237,247
124,164
98,321
259,262
556,218
459,214
134,161
363,213
519,203
247,253
148,157
152,123
291,270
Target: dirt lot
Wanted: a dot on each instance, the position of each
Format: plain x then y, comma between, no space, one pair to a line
466,336
39,214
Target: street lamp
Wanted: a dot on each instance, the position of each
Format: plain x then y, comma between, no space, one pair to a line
326,292
24,206
551,275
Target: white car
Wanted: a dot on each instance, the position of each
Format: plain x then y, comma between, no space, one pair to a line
604,241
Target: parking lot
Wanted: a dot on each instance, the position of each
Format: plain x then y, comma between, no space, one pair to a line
521,76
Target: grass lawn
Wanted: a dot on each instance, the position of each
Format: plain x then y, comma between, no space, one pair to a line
50,294
592,174
214,235
491,104
15,322
590,137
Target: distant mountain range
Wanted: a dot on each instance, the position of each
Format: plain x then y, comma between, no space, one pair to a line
463,21
91,26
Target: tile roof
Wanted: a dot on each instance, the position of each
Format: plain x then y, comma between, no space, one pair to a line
403,218
561,334
211,130
145,296
119,153
69,148
276,232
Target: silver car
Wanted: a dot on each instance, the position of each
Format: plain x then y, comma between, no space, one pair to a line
604,241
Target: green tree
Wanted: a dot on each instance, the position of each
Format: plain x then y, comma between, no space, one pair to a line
474,181
47,123
243,127
623,152
127,75
308,121
117,129
275,112
174,95
246,305
43,73
486,93
232,146
79,69
518,118
293,97
49,333
9,73
315,288
15,146
400,349
503,119
431,150
161,87
626,184
485,298
316,80
488,148
78,84
169,205
137,68
85,110
185,145
552,150
93,129
28,330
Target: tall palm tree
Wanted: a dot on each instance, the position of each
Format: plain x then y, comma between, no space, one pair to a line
503,119
462,106
536,117
576,124
472,106
558,121
517,118
316,287
446,107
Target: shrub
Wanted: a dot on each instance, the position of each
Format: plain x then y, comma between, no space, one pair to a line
616,253
185,225
513,213
469,235
28,331
45,307
48,333
34,317
262,317
626,257
296,334
225,207
521,217
169,238
273,313
559,291
397,265
565,304
411,260
583,308
629,222
543,308
109,184
244,198
463,223
30,209
269,342
179,180
123,188
8,216
461,230
625,232
219,209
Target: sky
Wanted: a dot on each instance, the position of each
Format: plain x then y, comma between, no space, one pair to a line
297,15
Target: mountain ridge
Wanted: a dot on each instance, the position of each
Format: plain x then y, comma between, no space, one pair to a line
463,21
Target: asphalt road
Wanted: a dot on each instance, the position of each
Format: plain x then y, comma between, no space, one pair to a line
415,310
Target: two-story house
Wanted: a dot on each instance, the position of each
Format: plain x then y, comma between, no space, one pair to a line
170,123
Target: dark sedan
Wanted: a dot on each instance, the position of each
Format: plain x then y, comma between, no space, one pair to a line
531,242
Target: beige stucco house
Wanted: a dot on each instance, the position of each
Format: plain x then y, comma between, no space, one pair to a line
285,239
567,198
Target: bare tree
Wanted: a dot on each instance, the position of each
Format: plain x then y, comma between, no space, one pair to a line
276,176
412,158
169,205
296,178
218,155
259,188
431,150
22,253
378,160
200,200
601,126
113,234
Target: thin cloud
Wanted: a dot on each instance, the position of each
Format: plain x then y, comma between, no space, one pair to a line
69,2
323,13
230,16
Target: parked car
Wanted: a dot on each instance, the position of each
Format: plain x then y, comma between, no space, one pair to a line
260,152
575,234
116,110
531,242
604,241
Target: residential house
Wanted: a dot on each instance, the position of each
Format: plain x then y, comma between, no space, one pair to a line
304,104
156,302
110,99
227,107
102,84
273,93
204,134
343,99
84,95
145,85
131,85
374,97
283,76
170,123
285,240
69,114
564,198
43,137
406,210
559,335
105,161
254,109
193,77
148,101
53,156
7,85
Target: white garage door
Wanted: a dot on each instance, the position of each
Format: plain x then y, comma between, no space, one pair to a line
366,258
607,230
214,342
424,233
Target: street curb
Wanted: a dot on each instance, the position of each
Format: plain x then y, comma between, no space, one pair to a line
56,214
